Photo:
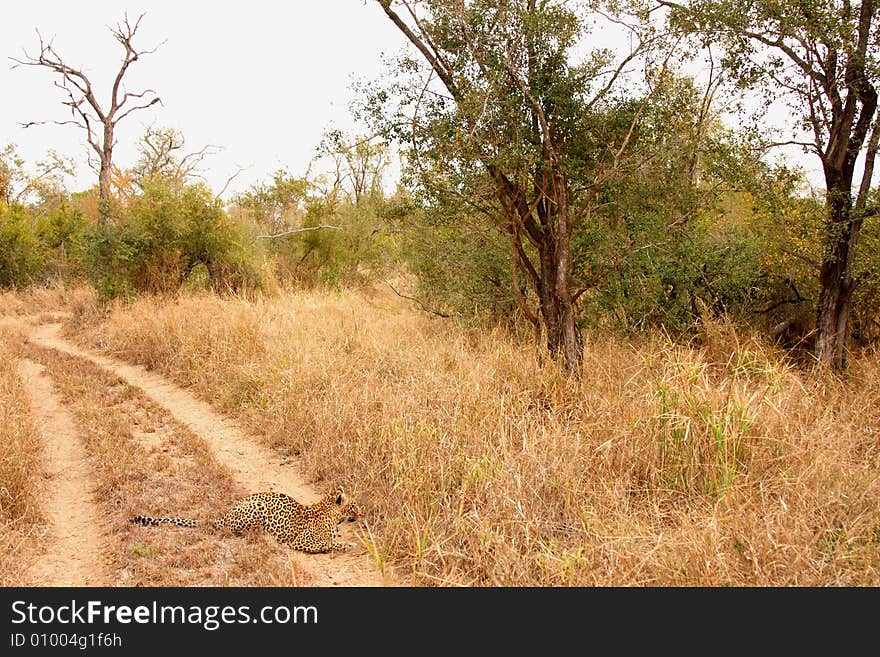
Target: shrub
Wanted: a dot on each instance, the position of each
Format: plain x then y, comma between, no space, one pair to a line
22,259
165,234
356,253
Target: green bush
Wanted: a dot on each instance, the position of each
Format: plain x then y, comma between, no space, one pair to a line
22,257
356,251
61,230
459,270
164,235
669,280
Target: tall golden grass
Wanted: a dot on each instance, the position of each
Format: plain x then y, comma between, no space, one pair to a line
20,467
42,302
662,465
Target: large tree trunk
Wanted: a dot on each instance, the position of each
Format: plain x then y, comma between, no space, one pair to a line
836,276
564,338
572,339
832,317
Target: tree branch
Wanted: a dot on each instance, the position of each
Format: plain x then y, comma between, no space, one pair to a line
135,108
294,230
793,142
868,172
229,181
432,56
418,301
800,256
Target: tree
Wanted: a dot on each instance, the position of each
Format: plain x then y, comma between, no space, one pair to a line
21,257
18,187
821,56
479,137
675,251
276,207
33,217
359,164
98,121
521,132
161,153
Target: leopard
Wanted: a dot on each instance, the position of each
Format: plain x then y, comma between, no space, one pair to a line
309,528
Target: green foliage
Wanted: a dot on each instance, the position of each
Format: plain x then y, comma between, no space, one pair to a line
358,248
61,230
142,551
820,58
658,247
675,276
164,234
11,172
31,186
460,266
37,227
867,296
548,123
664,247
273,207
673,215
316,234
21,255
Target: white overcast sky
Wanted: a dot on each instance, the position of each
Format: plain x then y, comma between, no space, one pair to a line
261,79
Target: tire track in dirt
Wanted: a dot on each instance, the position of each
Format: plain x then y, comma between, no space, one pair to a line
256,468
75,542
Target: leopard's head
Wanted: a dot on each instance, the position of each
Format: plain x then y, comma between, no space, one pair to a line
348,509
351,511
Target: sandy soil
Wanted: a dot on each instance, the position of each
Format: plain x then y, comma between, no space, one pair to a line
75,538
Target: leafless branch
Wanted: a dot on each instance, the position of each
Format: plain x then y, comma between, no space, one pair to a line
229,181
798,298
136,108
805,144
190,161
800,256
33,123
293,231
418,301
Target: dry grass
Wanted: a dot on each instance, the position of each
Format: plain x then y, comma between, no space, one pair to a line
663,465
145,462
42,302
21,519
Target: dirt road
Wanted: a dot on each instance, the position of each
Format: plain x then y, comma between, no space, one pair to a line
254,467
74,542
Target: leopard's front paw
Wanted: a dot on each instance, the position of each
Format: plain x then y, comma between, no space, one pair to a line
340,547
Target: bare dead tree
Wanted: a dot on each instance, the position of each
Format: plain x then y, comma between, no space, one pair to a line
98,121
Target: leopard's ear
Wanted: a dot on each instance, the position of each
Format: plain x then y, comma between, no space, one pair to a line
340,493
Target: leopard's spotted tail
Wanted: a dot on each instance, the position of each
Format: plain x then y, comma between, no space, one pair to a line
148,521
